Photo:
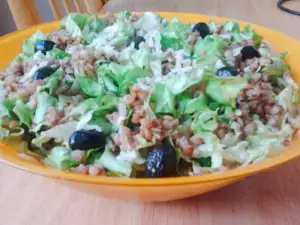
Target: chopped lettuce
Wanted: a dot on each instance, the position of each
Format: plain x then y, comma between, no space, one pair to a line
52,82
211,148
92,28
58,157
148,22
44,101
24,113
58,53
130,77
163,99
90,86
178,83
110,162
61,131
118,35
278,66
205,121
174,35
74,23
225,90
142,58
196,104
209,46
28,45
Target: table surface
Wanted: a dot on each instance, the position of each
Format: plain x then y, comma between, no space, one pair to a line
272,197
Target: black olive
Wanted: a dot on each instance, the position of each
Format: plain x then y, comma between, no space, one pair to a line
44,46
202,28
249,52
137,41
227,72
161,162
43,73
87,139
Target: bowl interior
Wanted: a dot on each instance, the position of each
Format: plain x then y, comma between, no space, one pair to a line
11,45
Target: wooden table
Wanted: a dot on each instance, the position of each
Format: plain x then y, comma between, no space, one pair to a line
272,197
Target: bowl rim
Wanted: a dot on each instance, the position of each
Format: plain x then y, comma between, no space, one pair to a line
15,161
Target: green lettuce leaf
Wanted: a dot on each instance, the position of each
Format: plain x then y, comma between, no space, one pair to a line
44,101
209,46
196,104
203,161
90,86
58,53
142,58
118,35
129,78
92,28
163,99
28,45
205,121
174,35
52,82
58,157
225,90
110,162
74,23
278,66
24,113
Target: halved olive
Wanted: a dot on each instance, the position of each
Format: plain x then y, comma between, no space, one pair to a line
227,72
202,28
249,52
161,162
87,139
137,41
44,46
43,73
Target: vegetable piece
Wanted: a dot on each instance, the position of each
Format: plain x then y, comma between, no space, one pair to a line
58,157
90,86
92,28
202,29
74,23
205,121
92,155
137,41
87,139
43,73
278,66
208,46
44,46
174,35
109,161
44,101
161,162
58,53
24,113
203,161
28,45
52,83
197,104
162,99
249,52
225,90
227,72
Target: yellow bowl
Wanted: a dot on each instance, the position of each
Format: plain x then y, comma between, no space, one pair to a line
150,190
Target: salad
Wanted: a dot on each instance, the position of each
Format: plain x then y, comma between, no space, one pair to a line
134,95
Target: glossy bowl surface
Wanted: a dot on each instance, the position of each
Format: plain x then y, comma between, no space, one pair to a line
150,190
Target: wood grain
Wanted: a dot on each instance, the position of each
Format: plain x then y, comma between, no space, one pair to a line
272,197
24,12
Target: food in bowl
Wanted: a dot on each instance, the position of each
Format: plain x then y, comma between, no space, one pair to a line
137,96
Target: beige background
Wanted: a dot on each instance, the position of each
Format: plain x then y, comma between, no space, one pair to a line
272,197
